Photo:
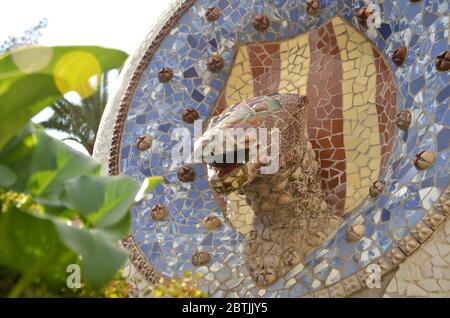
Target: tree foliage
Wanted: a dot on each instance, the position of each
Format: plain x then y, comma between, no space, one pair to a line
28,38
80,120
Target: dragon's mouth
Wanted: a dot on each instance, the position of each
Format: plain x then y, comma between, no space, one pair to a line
229,171
225,169
224,164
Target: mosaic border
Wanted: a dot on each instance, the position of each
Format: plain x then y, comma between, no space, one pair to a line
137,257
125,102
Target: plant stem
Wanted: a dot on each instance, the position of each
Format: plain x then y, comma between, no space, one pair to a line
23,283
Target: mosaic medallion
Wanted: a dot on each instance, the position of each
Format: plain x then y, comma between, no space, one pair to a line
361,92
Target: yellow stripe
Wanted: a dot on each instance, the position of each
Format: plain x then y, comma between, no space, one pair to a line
361,132
295,60
240,83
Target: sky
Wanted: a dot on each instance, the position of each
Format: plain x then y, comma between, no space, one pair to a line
120,24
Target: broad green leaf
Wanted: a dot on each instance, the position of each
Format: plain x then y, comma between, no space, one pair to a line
52,164
42,164
35,77
117,231
17,157
24,99
30,244
7,176
44,60
42,246
67,181
102,201
100,259
68,185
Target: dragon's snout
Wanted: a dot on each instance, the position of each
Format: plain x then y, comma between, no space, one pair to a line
229,178
227,172
243,123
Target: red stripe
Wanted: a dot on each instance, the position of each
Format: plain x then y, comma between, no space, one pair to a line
265,65
386,100
325,114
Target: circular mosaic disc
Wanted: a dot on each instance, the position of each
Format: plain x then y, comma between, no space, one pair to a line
358,79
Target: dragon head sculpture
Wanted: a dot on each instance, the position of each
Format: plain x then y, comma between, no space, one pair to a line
291,213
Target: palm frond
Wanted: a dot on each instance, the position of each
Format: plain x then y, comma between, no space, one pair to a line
80,121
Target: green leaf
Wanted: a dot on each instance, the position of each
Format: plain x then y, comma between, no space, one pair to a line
17,157
148,185
153,182
25,98
103,201
100,259
117,231
52,164
33,78
43,60
42,246
7,176
42,164
30,245
68,185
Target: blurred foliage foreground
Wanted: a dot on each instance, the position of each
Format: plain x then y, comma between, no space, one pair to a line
57,213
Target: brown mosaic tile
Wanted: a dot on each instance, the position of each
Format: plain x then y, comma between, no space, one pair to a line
386,102
325,117
265,66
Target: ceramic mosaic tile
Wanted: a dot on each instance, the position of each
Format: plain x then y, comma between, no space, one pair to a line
355,92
